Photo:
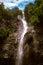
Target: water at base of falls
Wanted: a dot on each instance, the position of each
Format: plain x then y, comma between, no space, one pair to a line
21,42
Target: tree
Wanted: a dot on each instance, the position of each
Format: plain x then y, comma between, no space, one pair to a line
34,12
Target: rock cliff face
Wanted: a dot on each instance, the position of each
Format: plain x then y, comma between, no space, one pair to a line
33,46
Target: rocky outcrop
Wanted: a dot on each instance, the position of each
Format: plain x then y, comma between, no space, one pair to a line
33,48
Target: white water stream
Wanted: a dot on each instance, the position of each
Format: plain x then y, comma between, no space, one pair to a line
21,42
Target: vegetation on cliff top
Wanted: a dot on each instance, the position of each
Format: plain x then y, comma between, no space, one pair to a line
7,19
34,12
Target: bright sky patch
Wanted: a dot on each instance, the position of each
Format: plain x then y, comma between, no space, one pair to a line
19,3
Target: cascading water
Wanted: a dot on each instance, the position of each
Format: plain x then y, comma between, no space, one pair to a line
20,46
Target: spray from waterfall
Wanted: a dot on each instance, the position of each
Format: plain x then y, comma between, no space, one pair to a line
21,41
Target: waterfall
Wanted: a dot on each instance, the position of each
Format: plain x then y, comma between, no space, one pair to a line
21,42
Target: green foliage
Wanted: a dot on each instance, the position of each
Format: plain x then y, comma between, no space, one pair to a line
33,12
15,11
8,14
3,33
38,2
8,20
8,17
34,19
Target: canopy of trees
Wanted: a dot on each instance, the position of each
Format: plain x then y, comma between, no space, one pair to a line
34,12
7,19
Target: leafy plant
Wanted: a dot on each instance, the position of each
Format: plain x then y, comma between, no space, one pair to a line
3,33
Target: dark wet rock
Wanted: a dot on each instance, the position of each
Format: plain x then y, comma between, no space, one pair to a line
8,61
33,48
